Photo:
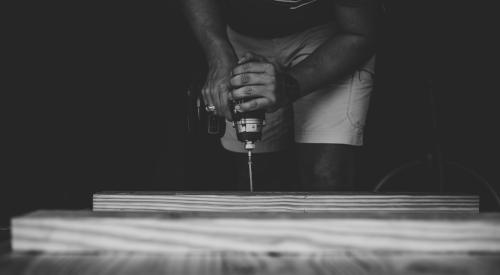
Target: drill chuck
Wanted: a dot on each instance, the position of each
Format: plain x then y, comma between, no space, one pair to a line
249,129
249,126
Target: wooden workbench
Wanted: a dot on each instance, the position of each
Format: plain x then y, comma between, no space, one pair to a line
247,242
225,263
185,232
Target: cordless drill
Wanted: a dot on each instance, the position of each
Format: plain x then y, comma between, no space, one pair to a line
248,128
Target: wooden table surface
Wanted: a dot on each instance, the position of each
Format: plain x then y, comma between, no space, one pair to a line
332,261
222,263
377,242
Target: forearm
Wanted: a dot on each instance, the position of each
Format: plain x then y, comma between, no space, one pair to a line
336,58
206,20
345,51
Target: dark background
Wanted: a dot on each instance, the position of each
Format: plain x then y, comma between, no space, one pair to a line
95,99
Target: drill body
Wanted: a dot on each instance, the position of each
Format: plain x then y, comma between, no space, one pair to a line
248,126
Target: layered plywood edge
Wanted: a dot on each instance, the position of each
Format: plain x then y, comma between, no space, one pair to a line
186,232
283,202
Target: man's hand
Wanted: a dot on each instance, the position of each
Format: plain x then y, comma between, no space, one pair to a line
265,85
216,89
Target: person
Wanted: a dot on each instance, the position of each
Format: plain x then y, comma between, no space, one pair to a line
309,64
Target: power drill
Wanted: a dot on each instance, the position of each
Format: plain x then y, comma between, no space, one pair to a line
248,128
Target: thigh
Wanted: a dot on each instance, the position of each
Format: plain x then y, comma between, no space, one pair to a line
326,167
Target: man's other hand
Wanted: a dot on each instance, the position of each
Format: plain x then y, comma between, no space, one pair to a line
262,82
216,89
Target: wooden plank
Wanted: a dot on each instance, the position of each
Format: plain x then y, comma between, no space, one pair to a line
225,263
62,231
283,202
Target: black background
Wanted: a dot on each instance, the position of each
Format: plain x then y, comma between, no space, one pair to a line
94,99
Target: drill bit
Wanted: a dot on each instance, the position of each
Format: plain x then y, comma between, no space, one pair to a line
250,170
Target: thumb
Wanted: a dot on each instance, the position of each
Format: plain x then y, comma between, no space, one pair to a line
250,56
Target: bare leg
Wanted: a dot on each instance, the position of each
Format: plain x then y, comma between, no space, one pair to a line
326,167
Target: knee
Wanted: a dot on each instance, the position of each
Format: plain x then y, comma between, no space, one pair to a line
327,178
327,168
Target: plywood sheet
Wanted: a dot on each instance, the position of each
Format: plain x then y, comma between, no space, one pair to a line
283,202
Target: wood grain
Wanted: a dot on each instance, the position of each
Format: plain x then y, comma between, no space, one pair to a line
222,263
62,231
283,202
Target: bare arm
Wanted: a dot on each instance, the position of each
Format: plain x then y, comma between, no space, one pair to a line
338,56
344,52
206,20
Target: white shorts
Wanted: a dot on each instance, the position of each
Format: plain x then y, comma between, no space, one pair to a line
335,113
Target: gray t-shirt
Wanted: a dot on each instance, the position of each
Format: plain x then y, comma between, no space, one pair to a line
276,18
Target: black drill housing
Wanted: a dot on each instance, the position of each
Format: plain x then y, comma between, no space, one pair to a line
247,133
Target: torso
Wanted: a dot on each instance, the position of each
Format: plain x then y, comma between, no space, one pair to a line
276,18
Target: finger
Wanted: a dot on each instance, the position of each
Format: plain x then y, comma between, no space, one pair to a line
260,103
224,109
247,79
205,94
254,67
211,98
247,91
216,97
